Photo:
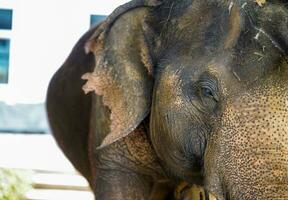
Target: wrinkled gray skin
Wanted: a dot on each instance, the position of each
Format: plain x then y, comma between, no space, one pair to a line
219,113
191,91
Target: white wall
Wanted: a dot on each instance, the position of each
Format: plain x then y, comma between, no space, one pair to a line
42,36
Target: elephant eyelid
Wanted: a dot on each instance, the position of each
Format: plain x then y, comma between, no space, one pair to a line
207,91
206,82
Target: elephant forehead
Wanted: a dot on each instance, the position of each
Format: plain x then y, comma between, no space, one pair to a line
232,30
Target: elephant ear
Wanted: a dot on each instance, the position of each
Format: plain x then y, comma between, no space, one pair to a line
123,71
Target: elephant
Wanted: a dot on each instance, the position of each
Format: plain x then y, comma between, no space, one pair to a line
178,90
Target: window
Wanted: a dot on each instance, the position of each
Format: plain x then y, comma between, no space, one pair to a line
4,60
95,19
6,19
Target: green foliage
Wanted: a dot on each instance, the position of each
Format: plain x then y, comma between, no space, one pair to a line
14,184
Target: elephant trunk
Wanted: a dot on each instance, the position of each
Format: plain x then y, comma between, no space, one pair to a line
247,155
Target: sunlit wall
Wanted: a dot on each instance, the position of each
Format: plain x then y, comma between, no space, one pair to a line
43,33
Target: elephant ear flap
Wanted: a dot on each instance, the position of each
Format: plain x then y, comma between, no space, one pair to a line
105,26
123,72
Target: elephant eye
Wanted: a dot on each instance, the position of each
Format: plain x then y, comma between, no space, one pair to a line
207,92
208,88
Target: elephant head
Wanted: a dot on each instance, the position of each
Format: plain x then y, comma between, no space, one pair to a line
202,81
219,110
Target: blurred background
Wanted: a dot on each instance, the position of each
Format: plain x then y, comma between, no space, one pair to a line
35,39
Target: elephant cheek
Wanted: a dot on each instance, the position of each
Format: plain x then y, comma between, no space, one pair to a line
164,142
247,157
167,126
